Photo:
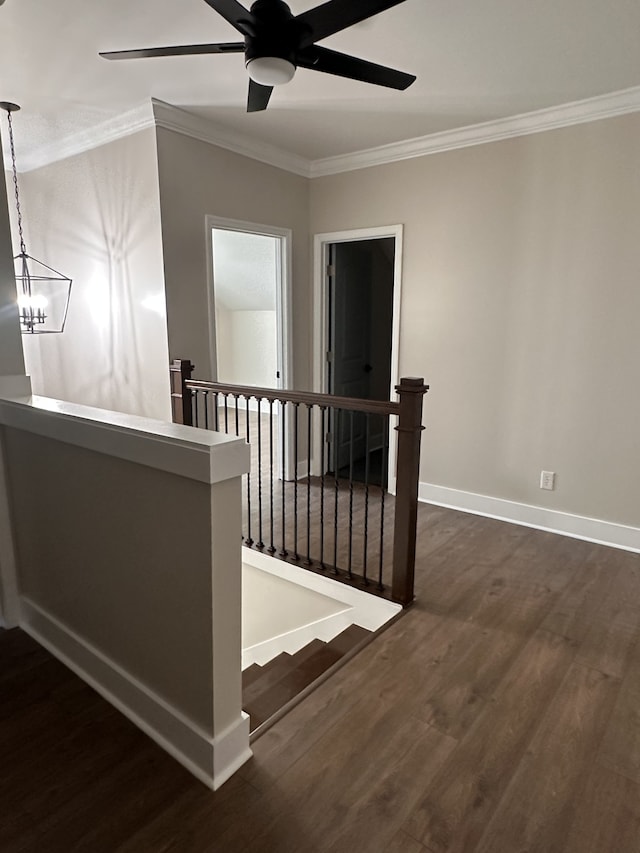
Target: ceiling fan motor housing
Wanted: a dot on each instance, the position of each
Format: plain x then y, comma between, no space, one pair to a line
276,33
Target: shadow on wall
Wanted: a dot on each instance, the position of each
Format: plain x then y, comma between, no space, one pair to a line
97,215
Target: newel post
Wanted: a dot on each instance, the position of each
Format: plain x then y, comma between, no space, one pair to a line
411,391
180,371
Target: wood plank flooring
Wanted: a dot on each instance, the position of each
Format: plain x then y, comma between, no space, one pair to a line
501,714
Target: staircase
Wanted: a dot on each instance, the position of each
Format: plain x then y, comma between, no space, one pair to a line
273,688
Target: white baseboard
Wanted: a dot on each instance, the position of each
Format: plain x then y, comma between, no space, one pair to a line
551,520
230,750
211,760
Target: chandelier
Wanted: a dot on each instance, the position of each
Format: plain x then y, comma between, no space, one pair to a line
43,293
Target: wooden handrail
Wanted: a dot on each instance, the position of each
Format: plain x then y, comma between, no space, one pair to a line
309,398
409,428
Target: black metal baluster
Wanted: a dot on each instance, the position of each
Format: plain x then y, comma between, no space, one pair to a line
272,548
323,441
226,415
194,408
260,543
248,540
296,556
206,409
283,428
366,499
350,494
236,397
385,454
195,402
308,560
336,453
215,412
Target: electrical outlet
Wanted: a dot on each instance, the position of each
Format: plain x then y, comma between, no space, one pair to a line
548,480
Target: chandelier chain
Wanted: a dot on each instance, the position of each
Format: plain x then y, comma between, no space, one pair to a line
23,248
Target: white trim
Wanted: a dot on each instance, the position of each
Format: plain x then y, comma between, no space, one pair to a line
118,127
211,760
231,750
283,285
538,121
160,114
320,321
541,518
202,455
204,130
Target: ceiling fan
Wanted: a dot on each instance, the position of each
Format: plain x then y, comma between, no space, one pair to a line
276,43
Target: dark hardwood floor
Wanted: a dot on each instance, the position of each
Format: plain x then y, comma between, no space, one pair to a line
501,714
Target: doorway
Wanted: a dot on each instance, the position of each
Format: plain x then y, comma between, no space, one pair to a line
357,298
249,298
249,268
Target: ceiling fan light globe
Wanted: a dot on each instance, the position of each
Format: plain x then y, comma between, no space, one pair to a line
271,70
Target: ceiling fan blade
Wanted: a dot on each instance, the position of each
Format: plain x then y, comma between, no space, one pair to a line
178,50
337,15
258,96
235,14
343,65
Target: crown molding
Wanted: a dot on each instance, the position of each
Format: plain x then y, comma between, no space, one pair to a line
160,114
133,121
181,121
551,118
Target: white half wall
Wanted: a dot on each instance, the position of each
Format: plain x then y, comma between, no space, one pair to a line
134,577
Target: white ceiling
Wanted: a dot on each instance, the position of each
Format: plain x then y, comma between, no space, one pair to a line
475,60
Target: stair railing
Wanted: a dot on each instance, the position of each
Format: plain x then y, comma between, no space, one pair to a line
317,492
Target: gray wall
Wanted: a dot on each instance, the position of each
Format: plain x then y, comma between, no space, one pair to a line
11,357
197,179
520,306
519,293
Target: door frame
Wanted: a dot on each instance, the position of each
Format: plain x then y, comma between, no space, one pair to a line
321,318
283,291
284,321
